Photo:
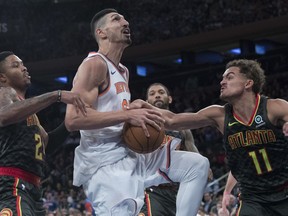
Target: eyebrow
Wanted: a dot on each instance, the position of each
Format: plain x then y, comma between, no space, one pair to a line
230,72
21,62
116,14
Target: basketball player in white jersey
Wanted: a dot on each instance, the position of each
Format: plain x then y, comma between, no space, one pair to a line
114,177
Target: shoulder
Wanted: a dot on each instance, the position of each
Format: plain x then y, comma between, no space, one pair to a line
276,102
276,106
92,70
7,96
277,110
8,92
93,64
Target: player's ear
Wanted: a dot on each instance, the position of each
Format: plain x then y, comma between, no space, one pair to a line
170,99
3,78
100,33
249,83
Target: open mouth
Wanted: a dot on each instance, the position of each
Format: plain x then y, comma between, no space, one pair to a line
126,31
27,76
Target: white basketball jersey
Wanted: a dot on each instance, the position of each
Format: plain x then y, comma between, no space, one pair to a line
103,146
114,98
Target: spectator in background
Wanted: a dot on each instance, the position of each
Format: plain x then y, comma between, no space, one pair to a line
161,199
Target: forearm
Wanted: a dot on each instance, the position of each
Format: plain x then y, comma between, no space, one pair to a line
230,184
93,120
189,141
184,121
191,147
20,110
56,138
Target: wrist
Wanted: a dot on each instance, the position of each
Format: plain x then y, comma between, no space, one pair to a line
123,115
226,193
59,96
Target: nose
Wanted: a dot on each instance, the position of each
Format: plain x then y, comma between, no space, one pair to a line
157,96
126,23
222,82
24,68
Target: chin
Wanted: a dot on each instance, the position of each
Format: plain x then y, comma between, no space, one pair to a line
222,97
28,84
226,99
128,41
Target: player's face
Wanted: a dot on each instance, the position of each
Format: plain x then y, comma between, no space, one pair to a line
158,97
117,29
15,73
233,84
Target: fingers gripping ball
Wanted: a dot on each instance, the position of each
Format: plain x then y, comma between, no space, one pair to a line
136,140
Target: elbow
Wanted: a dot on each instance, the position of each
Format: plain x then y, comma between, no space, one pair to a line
70,125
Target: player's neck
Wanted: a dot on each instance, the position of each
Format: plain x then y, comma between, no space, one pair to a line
113,52
245,107
21,94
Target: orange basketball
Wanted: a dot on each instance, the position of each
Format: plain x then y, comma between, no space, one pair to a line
136,140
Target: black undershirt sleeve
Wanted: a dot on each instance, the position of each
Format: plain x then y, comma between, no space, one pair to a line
56,138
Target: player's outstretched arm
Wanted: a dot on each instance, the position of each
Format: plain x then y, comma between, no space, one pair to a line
13,110
210,116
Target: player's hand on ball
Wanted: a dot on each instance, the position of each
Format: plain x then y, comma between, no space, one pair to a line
137,104
141,117
137,141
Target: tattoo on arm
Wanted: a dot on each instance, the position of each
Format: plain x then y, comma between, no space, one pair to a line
13,110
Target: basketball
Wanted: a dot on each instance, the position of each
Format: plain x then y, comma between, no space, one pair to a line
136,140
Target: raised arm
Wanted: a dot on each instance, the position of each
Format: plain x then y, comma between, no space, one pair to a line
210,116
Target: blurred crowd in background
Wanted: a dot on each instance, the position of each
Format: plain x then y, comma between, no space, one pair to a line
48,29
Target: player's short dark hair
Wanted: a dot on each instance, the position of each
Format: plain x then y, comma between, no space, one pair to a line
97,17
3,56
252,70
154,84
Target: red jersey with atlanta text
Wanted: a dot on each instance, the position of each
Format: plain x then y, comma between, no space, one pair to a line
257,152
